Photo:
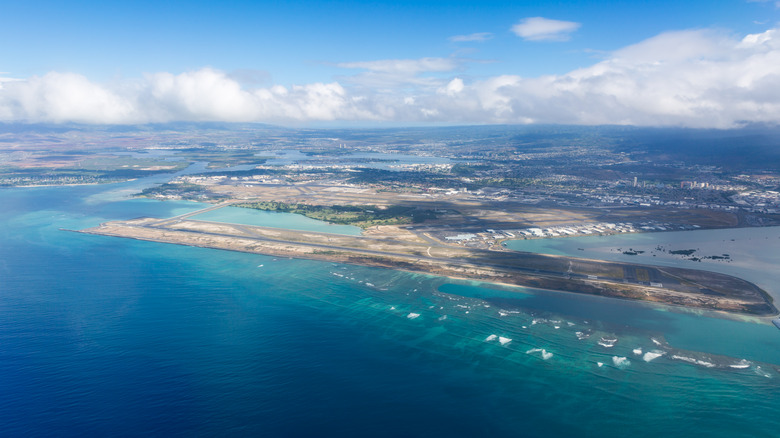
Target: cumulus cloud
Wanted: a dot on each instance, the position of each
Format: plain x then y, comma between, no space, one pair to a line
689,78
454,87
201,95
544,29
474,37
63,97
694,78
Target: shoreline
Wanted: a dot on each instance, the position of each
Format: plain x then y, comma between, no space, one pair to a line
682,287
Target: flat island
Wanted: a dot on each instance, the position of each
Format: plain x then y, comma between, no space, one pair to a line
411,249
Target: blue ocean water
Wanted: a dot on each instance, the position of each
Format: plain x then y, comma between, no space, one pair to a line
117,337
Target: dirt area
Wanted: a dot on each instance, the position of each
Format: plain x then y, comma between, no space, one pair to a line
467,211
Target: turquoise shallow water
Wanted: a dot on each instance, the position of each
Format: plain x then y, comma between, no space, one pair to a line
107,336
248,216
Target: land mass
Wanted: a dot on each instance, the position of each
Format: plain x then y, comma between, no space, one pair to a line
396,247
438,200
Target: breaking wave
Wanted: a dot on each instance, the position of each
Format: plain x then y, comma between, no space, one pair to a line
694,361
544,353
607,341
620,361
741,364
650,355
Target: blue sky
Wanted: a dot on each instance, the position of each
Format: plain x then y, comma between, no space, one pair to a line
381,62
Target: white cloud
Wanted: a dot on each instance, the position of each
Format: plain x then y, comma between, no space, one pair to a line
690,78
454,87
390,74
698,78
474,37
404,66
201,95
544,29
62,97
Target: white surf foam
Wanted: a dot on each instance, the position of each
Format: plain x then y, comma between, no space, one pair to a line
491,338
582,335
763,373
650,355
600,364
413,315
620,361
638,351
504,340
694,361
607,342
544,353
741,364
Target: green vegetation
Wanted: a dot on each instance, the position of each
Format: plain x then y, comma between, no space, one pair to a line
363,216
15,176
470,170
685,252
178,190
114,163
406,178
642,275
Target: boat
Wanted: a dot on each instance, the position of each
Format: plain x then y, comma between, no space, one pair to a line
776,322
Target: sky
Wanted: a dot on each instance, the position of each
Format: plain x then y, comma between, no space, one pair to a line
701,64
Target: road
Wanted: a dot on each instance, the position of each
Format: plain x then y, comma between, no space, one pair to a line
181,217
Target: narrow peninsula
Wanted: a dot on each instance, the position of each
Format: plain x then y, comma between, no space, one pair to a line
398,247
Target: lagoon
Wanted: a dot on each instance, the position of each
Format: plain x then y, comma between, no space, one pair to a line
290,221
